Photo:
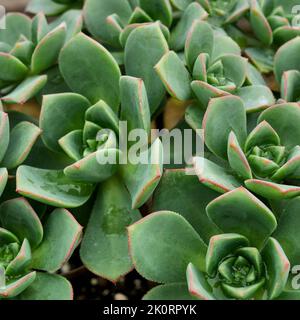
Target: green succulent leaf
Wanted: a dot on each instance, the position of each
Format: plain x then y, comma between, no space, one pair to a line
220,246
290,85
48,286
61,114
200,39
175,76
205,92
48,7
26,90
47,50
99,74
284,119
286,58
134,104
256,98
237,159
3,179
224,45
144,48
278,267
21,262
169,291
52,187
16,287
91,170
172,259
271,190
4,134
193,12
191,200
141,179
240,212
39,27
18,216
104,248
62,234
96,13
158,10
15,22
260,24
262,58
286,233
12,68
224,115
214,176
197,284
22,138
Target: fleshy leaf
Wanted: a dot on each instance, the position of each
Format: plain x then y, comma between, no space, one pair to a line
4,134
262,134
16,287
21,261
271,190
224,115
240,212
170,291
48,287
172,260
256,98
175,76
260,24
158,10
48,7
26,90
52,187
191,200
193,12
200,39
284,119
104,249
98,75
60,114
90,170
3,179
286,232
141,179
22,138
140,59
18,216
286,58
15,22
205,92
47,50
220,246
134,104
278,267
12,69
214,176
197,283
290,85
62,234
96,12
237,158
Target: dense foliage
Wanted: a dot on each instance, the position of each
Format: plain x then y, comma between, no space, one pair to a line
226,225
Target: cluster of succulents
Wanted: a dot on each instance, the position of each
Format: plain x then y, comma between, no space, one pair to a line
223,226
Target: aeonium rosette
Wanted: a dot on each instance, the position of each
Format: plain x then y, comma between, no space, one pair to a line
249,256
266,160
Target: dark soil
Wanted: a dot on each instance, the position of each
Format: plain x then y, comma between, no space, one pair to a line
88,286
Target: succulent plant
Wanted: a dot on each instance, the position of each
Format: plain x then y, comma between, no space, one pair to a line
28,49
97,68
235,263
53,7
215,69
265,160
31,251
